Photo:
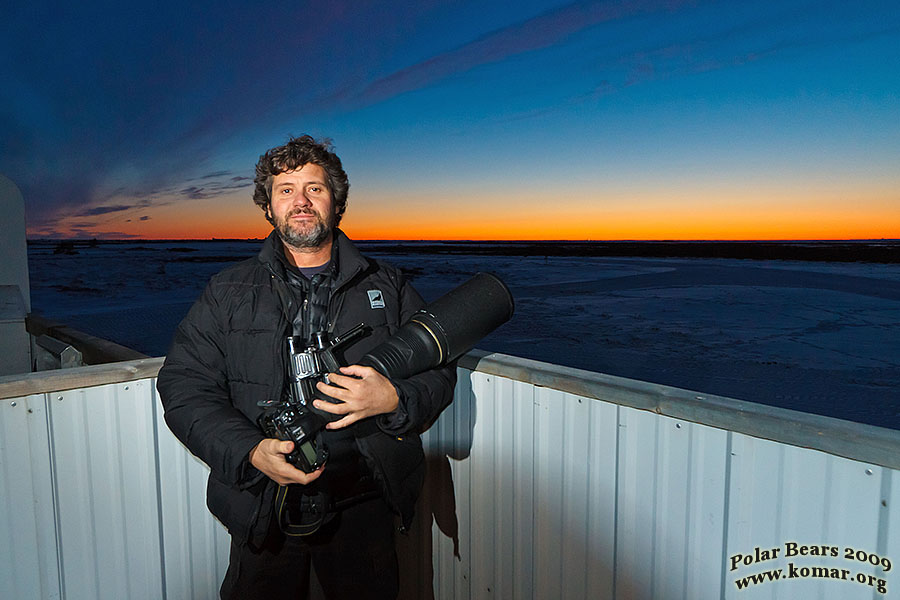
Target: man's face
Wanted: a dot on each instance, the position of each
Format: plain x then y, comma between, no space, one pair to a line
301,206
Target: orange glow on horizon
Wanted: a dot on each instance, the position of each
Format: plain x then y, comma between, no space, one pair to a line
439,218
639,227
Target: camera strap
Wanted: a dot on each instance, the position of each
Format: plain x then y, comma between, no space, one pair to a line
303,517
314,510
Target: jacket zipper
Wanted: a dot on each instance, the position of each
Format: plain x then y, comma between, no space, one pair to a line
287,303
334,311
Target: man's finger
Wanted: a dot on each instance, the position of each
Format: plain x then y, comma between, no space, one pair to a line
357,371
333,391
348,420
331,407
344,381
294,475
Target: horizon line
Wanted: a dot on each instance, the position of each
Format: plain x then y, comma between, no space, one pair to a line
464,240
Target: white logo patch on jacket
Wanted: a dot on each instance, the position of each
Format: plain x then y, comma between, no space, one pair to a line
376,299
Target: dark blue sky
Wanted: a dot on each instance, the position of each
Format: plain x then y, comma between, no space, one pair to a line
640,119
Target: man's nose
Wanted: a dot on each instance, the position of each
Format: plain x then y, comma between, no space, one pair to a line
302,200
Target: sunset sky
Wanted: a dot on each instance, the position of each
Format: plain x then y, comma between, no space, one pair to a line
642,119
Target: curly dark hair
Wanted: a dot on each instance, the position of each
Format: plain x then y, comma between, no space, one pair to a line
295,153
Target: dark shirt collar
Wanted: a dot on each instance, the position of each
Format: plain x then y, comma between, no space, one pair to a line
346,260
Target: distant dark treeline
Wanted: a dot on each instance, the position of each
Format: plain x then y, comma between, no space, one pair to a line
871,251
93,242
852,251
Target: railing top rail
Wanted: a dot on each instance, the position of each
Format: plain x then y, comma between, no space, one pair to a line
858,441
57,380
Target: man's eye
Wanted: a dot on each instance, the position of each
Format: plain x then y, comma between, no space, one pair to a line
315,189
286,191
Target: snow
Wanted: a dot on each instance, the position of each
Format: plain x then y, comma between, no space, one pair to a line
812,336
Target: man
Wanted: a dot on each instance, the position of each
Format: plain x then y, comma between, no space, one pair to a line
229,357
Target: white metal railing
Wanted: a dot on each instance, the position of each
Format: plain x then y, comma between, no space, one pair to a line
543,482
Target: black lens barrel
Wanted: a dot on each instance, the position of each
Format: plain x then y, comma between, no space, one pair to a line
445,329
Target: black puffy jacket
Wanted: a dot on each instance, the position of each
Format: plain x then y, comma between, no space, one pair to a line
228,354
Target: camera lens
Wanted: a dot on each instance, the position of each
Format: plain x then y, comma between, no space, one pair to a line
445,329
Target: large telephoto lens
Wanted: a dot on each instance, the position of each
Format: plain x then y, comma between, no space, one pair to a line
445,329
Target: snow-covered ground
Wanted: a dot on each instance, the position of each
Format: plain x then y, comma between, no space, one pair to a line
817,337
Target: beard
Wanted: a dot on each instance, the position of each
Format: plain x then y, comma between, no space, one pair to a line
311,234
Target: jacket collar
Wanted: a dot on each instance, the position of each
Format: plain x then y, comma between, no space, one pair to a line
349,259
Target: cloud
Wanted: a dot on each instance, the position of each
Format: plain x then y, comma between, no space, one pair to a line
102,210
195,193
144,218
238,185
212,189
536,33
102,235
732,44
215,175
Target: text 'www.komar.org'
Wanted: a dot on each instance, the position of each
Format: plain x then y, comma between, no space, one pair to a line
813,572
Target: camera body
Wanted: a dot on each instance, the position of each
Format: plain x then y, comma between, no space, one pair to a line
299,425
293,419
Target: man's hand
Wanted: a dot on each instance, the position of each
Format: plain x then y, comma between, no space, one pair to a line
268,457
364,391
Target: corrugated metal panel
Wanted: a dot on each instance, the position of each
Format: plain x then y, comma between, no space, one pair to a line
671,491
783,494
195,545
574,495
104,461
452,554
532,493
561,496
83,474
28,559
889,532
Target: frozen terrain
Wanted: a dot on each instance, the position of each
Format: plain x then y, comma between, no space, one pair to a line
821,337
